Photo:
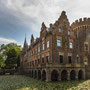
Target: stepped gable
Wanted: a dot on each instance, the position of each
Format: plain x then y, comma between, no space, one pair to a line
63,18
81,22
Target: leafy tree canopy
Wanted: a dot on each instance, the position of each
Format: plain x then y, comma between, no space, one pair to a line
2,62
11,53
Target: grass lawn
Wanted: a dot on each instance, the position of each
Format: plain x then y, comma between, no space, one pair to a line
18,82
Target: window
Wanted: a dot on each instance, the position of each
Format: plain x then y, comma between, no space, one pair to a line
33,52
77,59
42,60
35,62
69,60
43,46
61,59
86,47
60,30
47,58
38,61
38,49
58,42
70,45
48,44
30,64
68,32
85,60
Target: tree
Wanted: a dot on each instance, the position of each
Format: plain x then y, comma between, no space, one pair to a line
11,53
2,62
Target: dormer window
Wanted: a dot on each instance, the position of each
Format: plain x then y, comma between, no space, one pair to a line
60,30
68,32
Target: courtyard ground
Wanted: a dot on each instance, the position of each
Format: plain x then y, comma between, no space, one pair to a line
18,82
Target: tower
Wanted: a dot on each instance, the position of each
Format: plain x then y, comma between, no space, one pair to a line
25,46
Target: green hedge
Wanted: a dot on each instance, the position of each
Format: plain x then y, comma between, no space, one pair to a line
11,71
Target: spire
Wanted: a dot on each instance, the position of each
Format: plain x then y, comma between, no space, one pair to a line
25,43
32,38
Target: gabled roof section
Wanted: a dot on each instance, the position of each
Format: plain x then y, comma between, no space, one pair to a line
63,18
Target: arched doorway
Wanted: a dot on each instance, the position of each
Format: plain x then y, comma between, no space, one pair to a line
72,75
54,75
39,74
43,75
80,74
64,75
35,74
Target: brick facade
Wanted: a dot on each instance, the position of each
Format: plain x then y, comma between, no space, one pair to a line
62,51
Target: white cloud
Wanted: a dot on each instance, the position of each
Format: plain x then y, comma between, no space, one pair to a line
6,40
33,12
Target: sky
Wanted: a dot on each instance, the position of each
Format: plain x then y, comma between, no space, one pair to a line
20,17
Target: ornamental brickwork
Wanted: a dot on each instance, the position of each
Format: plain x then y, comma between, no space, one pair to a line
62,52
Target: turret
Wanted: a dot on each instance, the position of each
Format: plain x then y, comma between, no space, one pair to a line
80,23
25,46
32,38
43,27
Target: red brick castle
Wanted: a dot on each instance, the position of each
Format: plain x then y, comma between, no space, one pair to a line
62,52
